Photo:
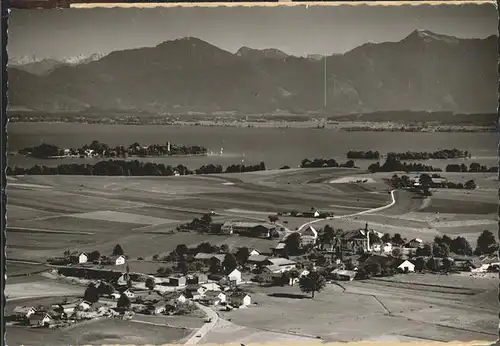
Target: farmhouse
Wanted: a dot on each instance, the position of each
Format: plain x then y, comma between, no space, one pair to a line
406,266
157,308
195,292
23,311
414,243
78,257
309,236
239,299
117,260
346,275
355,241
40,319
177,281
207,257
84,305
282,264
214,298
199,278
252,229
254,253
175,297
279,249
129,293
257,260
235,276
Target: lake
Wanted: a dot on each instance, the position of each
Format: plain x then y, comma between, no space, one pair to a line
275,146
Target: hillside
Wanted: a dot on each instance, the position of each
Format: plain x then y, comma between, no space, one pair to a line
424,71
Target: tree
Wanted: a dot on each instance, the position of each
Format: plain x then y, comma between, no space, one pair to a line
181,249
470,185
242,255
386,238
396,252
293,243
91,294
420,264
313,282
374,269
273,218
426,250
224,248
214,265
94,256
123,301
229,264
397,239
150,283
105,288
118,251
461,246
486,243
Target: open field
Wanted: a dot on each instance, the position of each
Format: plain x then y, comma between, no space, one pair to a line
139,212
103,331
446,308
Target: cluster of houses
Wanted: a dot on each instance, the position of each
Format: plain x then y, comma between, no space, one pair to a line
60,315
78,257
250,229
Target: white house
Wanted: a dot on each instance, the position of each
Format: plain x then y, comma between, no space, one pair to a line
24,311
129,293
119,260
157,308
84,305
40,319
235,275
82,258
254,253
407,266
114,295
387,248
227,228
240,299
309,235
181,298
211,286
281,265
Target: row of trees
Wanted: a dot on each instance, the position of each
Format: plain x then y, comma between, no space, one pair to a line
370,155
393,164
129,168
426,182
319,163
473,168
437,155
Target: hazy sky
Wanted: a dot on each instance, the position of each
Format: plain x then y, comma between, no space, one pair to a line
295,30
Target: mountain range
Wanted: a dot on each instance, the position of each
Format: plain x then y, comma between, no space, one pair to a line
43,66
424,71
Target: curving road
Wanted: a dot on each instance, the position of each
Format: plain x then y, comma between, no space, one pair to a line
402,202
207,327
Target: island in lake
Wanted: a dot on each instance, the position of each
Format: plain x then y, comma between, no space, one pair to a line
96,148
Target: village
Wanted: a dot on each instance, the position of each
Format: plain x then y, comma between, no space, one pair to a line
212,278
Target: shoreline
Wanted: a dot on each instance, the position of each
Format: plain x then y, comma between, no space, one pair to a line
346,126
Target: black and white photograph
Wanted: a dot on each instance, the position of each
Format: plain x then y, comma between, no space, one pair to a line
212,175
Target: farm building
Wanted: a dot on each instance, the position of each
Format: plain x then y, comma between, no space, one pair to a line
40,319
177,281
157,308
254,253
257,260
414,243
129,293
279,249
199,278
67,309
309,236
240,299
211,286
214,298
117,260
345,275
176,297
78,257
84,305
23,311
279,265
195,292
406,266
235,276
206,258
252,229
